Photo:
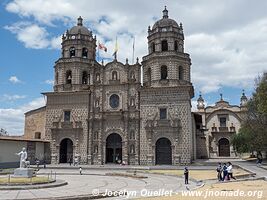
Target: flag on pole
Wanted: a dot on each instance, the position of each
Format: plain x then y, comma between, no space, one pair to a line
115,50
133,50
102,47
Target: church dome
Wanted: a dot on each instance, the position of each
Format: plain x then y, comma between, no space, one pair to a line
165,21
79,29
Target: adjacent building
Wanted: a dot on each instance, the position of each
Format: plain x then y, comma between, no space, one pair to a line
219,123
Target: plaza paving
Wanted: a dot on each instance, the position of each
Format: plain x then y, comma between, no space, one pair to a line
95,181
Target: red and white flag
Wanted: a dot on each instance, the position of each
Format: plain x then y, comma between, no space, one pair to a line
102,47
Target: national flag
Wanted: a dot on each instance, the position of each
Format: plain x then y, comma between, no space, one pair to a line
102,47
116,48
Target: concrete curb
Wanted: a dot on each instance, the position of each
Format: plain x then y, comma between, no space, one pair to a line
57,183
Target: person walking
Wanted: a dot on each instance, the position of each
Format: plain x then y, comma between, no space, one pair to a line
230,171
219,172
186,175
224,169
259,159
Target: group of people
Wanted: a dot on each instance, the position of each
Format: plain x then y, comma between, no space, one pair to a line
225,171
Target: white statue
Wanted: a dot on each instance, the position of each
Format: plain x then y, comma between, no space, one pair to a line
23,157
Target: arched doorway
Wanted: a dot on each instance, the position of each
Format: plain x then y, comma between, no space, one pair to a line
163,152
224,147
114,148
66,151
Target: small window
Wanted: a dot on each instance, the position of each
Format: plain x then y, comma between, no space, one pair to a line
181,73
176,46
114,101
153,47
222,121
164,45
72,52
84,53
164,72
163,113
68,77
85,77
114,75
37,135
67,116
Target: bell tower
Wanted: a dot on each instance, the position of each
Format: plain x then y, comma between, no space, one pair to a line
165,102
72,70
166,63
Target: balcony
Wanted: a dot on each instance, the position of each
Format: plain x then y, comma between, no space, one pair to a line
223,129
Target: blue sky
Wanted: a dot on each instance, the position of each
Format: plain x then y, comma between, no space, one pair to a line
226,41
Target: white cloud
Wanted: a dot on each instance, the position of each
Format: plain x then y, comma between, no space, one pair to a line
7,97
14,79
227,47
49,82
32,35
12,119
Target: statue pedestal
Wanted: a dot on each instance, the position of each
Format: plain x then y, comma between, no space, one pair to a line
24,172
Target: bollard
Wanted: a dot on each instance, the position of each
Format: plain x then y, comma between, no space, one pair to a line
55,175
31,180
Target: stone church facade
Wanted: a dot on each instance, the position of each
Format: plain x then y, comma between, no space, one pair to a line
218,124
103,114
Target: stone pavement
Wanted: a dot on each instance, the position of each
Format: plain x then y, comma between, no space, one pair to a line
95,182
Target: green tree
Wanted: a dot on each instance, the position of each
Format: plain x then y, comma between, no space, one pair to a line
252,135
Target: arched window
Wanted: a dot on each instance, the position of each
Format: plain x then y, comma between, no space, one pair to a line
163,72
68,77
132,135
176,46
149,76
84,53
164,45
153,47
72,52
114,75
85,77
181,73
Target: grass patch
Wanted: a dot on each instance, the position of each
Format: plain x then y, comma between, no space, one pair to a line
18,180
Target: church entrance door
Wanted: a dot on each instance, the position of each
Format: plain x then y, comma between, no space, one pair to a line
163,152
114,148
66,151
224,147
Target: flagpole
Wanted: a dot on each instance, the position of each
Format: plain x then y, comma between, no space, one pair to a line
98,53
133,50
